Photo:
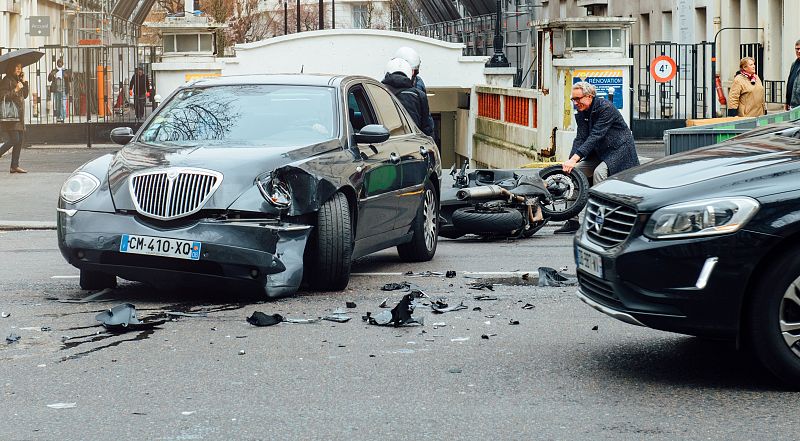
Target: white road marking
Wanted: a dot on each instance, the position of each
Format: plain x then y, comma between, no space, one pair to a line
64,277
464,273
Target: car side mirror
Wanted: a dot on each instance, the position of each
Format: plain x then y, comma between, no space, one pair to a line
122,135
372,134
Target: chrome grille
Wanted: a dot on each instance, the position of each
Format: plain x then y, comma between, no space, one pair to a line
607,223
173,192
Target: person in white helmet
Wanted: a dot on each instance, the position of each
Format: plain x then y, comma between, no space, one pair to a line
415,61
398,80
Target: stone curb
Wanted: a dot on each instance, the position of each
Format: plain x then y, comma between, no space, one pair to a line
6,225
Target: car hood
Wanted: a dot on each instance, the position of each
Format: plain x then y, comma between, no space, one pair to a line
238,165
752,167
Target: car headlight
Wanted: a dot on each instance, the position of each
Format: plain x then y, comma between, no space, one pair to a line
275,191
78,186
701,218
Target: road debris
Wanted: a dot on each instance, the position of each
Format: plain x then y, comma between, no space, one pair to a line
485,297
5,314
513,322
528,306
260,319
594,328
122,318
12,338
396,286
438,310
481,285
338,316
299,321
186,314
400,315
350,305
459,339
424,274
450,274
550,277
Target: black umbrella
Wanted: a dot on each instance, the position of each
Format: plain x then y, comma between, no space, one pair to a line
25,57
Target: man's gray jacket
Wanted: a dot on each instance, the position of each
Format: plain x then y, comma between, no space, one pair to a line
602,132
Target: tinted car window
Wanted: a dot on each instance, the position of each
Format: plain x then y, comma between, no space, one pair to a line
358,108
390,116
251,115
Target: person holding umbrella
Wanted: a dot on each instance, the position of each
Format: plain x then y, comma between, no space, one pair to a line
13,91
14,88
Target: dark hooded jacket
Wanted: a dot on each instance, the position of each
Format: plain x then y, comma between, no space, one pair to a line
414,100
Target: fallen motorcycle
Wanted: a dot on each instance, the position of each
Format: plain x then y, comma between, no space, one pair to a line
509,203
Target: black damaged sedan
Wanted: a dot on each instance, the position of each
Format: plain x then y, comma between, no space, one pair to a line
703,243
255,182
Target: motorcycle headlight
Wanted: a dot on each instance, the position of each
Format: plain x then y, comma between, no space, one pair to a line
275,191
701,218
79,186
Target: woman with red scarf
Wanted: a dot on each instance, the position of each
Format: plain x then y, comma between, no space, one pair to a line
746,97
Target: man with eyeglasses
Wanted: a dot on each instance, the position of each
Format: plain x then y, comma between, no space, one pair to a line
604,143
792,84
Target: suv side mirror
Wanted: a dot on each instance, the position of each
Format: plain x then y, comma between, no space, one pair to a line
122,135
372,134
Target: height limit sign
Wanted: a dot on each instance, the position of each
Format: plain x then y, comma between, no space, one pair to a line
663,69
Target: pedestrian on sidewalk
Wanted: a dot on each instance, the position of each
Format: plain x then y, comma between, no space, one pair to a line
747,97
604,143
793,82
14,88
59,79
140,89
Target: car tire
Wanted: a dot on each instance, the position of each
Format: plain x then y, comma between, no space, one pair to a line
332,246
97,280
478,221
579,189
425,229
773,320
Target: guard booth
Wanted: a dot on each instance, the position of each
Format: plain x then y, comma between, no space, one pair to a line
593,49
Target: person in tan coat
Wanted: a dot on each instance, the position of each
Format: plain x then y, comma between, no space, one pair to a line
747,97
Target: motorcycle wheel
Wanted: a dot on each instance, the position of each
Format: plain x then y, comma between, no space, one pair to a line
574,189
477,221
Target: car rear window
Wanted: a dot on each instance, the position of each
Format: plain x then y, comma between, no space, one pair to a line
245,115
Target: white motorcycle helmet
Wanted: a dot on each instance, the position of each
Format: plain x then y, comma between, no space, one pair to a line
409,55
400,65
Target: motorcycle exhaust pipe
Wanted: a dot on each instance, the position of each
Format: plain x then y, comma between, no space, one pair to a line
482,192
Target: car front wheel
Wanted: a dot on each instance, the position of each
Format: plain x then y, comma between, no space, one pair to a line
331,246
773,325
425,229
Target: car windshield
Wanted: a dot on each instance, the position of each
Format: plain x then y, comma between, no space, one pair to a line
245,115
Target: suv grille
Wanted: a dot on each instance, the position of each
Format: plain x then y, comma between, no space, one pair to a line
607,223
173,192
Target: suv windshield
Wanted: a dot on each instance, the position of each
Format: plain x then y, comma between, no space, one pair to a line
245,115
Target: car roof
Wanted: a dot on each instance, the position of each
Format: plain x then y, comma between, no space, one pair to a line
291,79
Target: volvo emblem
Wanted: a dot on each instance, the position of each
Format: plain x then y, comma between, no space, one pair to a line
599,219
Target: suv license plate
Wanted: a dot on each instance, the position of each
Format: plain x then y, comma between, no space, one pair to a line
160,246
590,262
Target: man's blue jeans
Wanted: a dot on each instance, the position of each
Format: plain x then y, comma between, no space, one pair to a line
60,105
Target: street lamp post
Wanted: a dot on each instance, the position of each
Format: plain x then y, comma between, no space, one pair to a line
297,12
285,17
333,14
499,58
321,15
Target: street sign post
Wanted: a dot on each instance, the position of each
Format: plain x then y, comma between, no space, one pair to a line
663,69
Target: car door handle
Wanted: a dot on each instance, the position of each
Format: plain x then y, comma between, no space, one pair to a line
394,158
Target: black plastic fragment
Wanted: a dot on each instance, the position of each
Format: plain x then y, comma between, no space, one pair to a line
122,318
484,297
594,328
400,315
12,338
260,319
437,310
528,306
513,322
395,286
477,308
350,304
550,277
450,274
481,285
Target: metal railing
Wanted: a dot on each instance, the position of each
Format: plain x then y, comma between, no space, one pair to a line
97,88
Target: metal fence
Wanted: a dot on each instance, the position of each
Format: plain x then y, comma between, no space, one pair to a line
98,86
688,95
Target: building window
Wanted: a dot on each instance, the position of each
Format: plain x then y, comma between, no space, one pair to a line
189,43
360,16
594,39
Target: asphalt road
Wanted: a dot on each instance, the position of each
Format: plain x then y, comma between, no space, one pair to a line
564,372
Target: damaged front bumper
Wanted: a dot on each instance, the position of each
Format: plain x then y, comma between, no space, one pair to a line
262,253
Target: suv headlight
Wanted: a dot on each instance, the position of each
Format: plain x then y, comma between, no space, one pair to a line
78,186
701,218
275,191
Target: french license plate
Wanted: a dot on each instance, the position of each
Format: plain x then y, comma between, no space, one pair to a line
590,262
160,246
